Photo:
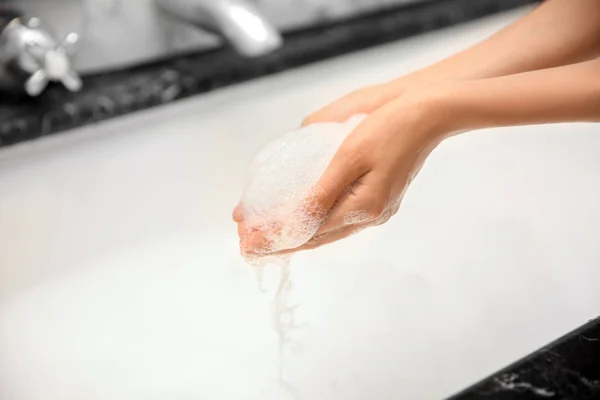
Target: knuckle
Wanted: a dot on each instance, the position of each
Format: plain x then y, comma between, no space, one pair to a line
354,155
395,208
387,214
377,207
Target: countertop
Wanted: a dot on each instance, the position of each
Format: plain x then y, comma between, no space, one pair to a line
568,368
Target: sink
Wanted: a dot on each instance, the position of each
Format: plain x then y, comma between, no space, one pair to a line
120,275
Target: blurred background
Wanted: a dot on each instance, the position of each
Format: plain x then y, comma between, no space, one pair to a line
104,58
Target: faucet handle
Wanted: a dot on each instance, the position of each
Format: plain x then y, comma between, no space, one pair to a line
69,43
38,54
53,64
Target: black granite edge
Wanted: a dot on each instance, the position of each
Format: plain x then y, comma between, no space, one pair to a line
116,93
568,368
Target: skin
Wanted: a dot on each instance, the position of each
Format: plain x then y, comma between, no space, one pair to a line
541,69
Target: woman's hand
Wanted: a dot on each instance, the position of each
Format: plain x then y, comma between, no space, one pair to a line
365,181
570,29
367,178
361,101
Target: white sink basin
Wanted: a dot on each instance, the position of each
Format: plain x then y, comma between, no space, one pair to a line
120,277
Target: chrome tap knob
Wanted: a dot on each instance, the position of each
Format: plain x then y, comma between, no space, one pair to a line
35,51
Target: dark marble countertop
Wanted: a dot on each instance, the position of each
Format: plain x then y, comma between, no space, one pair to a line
567,369
110,94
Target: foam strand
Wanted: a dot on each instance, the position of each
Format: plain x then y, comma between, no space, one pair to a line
282,325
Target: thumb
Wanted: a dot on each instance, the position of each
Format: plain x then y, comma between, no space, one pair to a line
344,169
317,116
340,174
327,114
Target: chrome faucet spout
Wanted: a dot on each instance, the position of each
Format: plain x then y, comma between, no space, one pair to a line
239,21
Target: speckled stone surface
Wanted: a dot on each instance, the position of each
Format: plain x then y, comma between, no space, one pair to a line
567,369
107,95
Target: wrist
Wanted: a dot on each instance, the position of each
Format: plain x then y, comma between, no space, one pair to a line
443,107
433,112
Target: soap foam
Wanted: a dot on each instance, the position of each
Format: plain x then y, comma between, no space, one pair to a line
356,217
276,200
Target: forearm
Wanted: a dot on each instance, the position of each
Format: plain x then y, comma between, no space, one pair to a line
563,94
558,32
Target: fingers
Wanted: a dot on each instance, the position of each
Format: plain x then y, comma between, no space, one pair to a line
347,211
366,202
313,118
338,111
254,242
251,239
326,192
330,237
361,101
345,168
257,241
241,228
238,214
326,114
334,112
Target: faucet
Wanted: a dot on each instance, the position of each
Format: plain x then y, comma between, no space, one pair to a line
239,21
35,57
135,32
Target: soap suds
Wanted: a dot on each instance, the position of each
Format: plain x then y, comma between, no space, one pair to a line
277,200
356,217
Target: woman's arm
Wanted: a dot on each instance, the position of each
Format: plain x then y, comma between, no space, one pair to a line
533,72
563,94
383,154
558,32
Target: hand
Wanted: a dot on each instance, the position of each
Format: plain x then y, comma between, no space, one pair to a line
361,101
366,180
364,183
